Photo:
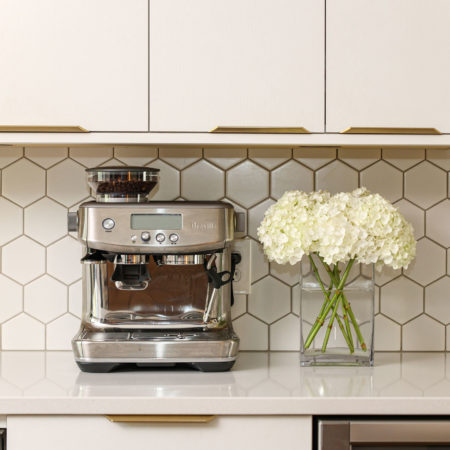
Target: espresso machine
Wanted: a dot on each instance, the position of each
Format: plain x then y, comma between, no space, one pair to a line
157,277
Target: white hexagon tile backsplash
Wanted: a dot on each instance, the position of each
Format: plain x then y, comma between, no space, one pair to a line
40,302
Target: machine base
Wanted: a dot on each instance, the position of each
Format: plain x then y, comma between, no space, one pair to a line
207,351
93,367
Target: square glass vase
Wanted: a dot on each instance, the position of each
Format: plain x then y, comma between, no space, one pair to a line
336,313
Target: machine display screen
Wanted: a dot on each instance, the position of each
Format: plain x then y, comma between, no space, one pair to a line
156,221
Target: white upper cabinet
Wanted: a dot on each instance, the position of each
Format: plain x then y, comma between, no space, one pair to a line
74,62
388,64
245,63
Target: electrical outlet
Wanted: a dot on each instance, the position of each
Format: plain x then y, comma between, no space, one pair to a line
242,281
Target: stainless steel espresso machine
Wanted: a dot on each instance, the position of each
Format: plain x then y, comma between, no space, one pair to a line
156,277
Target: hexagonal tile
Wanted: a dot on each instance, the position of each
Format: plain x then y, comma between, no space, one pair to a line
314,157
11,298
112,163
336,177
429,264
45,298
403,158
168,187
46,156
436,300
425,185
23,182
269,157
423,334
401,299
239,307
252,332
285,334
180,157
23,333
291,176
63,260
438,218
414,215
256,215
270,299
440,157
45,221
76,298
135,155
385,275
288,273
91,156
359,158
225,157
295,295
12,226
448,262
259,263
377,299
61,331
384,180
202,181
23,260
9,154
387,334
66,183
247,184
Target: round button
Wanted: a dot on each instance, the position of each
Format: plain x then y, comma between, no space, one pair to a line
133,238
160,237
173,237
108,224
145,236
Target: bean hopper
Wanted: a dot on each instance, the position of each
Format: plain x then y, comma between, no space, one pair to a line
156,277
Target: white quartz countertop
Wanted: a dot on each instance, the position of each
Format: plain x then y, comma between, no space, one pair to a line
260,383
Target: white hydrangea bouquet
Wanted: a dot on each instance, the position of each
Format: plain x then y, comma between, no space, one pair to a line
338,231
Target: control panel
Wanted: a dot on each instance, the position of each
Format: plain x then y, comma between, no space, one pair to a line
159,227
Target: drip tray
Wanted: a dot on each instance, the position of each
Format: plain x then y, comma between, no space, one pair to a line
141,336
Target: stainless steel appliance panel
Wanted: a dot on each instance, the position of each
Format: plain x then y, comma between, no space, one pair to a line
383,434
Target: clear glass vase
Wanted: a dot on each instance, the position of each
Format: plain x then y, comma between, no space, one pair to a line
336,313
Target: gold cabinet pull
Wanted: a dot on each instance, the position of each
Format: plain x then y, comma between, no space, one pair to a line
42,129
261,130
169,418
389,130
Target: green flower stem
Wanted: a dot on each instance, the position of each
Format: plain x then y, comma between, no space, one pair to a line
346,305
348,308
336,295
326,294
345,316
330,323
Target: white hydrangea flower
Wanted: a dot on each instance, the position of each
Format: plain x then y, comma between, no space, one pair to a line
356,225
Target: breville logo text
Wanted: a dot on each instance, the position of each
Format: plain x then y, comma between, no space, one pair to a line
197,226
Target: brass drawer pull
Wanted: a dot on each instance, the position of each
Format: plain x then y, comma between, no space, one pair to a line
261,130
169,418
42,129
381,130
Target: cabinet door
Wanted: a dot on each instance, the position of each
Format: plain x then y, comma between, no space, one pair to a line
245,63
388,64
97,433
74,62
